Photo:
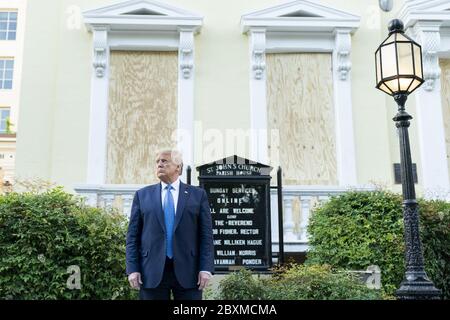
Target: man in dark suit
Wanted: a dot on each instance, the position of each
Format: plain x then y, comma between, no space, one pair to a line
169,241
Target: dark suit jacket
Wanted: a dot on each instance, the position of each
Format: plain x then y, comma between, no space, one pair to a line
193,249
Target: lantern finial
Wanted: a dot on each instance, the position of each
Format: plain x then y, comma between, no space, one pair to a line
396,25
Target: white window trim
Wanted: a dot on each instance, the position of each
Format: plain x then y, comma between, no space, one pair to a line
3,78
172,29
8,21
1,119
323,29
428,21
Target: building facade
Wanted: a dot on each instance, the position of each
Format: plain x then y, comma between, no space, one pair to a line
12,27
107,83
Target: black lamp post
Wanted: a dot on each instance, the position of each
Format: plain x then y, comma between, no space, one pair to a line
399,72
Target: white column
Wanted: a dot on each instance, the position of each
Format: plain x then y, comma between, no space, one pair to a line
323,199
288,225
108,200
98,119
258,103
185,132
345,142
430,122
127,200
91,199
306,209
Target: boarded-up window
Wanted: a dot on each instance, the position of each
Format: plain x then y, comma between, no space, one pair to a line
142,113
300,106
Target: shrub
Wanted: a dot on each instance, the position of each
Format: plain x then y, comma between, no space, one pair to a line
358,229
41,235
318,282
240,285
435,234
295,282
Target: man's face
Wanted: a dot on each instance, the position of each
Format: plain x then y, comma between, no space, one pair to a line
166,169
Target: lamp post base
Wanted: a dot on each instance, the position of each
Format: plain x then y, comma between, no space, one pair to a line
418,288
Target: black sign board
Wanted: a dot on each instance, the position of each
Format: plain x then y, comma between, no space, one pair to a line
239,196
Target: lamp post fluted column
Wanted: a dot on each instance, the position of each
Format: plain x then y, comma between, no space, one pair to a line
416,284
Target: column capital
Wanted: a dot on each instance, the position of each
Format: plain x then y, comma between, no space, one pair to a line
428,35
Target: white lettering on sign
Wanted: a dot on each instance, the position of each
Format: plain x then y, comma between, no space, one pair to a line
249,231
247,252
224,173
254,242
228,231
228,242
245,210
226,253
251,261
242,190
224,261
218,190
240,223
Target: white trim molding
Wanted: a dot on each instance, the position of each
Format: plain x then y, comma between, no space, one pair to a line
303,26
429,22
139,25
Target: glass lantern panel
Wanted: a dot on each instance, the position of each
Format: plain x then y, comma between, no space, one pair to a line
385,89
378,64
414,85
405,59
401,37
404,83
390,39
418,61
392,85
389,61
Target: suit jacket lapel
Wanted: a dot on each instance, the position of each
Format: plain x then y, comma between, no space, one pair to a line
156,199
183,196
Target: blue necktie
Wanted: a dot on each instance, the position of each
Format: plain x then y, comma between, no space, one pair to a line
169,217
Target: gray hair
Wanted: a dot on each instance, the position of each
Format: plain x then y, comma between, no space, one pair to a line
175,155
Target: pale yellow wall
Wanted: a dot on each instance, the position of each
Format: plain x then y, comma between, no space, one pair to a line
142,113
445,89
55,95
55,107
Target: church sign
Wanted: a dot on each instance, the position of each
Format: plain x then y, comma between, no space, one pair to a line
239,196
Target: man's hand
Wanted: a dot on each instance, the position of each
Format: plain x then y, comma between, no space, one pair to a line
135,280
203,279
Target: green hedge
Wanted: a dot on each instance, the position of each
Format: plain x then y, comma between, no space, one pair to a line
296,282
358,229
41,235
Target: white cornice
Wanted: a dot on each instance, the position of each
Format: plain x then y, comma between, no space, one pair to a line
420,10
160,17
301,16
133,5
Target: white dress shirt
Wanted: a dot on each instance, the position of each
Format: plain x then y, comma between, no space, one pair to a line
175,192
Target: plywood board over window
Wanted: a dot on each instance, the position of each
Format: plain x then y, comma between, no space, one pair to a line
142,113
300,106
445,92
